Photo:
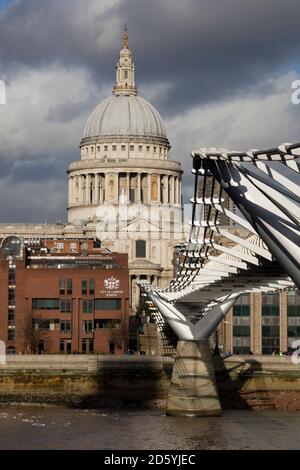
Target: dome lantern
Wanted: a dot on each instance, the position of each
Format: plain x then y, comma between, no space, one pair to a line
125,71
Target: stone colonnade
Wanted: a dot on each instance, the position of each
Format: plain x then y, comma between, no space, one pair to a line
96,188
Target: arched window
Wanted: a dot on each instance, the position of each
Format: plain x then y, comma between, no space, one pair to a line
140,249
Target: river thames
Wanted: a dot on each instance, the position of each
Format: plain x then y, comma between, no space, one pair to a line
62,428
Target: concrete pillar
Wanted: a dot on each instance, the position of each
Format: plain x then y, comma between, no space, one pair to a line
193,390
283,321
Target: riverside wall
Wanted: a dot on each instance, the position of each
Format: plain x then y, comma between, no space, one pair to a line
143,381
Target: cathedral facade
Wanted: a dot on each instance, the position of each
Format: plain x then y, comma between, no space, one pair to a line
124,189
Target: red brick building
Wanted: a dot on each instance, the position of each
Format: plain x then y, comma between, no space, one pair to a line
66,296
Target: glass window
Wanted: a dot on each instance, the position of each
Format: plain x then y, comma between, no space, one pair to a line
87,326
91,346
84,346
123,148
107,304
61,346
84,287
114,147
69,346
65,326
11,335
66,306
131,148
111,323
106,148
140,249
88,306
69,286
148,148
45,304
92,286
140,148
98,148
61,286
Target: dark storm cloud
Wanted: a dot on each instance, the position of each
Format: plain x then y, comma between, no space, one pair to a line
200,51
206,49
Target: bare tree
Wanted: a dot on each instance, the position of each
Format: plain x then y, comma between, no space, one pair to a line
32,333
121,335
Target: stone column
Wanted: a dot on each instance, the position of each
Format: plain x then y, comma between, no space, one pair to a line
193,390
96,189
149,188
128,186
87,189
139,186
70,187
158,189
166,189
81,181
283,321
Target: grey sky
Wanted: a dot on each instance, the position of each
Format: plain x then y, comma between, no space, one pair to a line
219,72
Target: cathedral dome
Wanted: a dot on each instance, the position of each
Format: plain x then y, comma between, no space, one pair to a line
124,115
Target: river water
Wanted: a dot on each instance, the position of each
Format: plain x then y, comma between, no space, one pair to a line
62,428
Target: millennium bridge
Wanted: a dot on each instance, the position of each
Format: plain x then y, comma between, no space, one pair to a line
264,187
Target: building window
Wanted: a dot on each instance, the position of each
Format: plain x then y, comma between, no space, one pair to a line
87,326
45,304
155,149
69,286
12,276
107,304
106,148
140,249
60,246
293,317
131,148
148,148
270,323
11,335
66,306
62,346
84,346
241,325
140,148
65,326
88,306
84,287
87,346
114,147
61,286
123,148
111,323
69,346
92,286
98,148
